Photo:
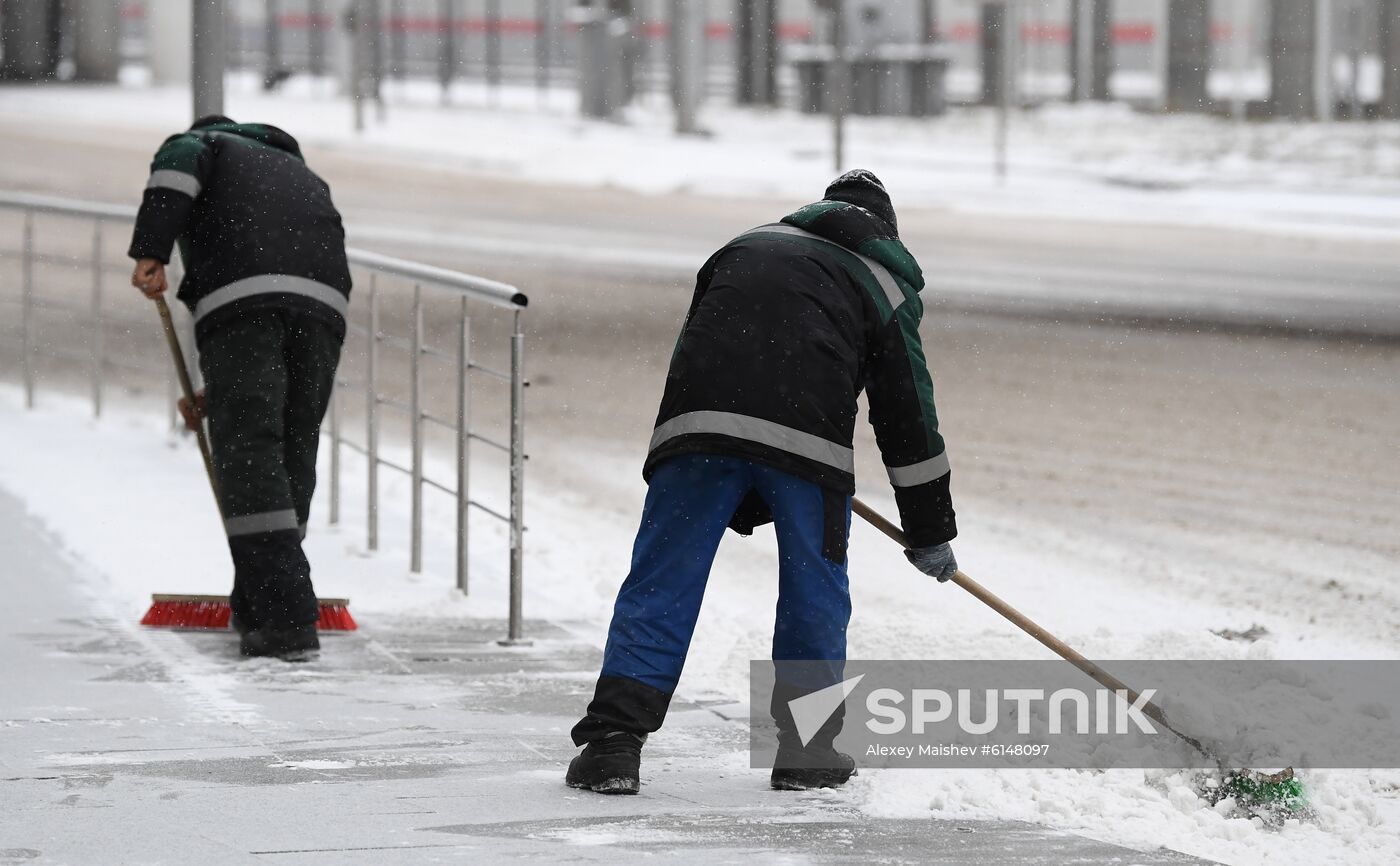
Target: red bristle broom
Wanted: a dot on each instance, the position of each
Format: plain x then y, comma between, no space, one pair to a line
212,612
202,612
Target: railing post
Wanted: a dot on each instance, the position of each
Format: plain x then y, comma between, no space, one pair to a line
415,433
27,310
464,398
335,451
372,418
517,484
98,345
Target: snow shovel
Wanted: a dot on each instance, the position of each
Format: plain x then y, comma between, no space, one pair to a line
1270,791
213,611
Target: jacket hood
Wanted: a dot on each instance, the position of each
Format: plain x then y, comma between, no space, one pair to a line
262,133
861,231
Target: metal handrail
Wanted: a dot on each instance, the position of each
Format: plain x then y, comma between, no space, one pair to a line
466,287
47,204
477,288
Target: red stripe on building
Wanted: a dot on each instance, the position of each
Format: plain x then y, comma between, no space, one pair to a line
963,31
1223,31
1134,34
303,22
527,26
791,31
1128,33
795,31
1057,33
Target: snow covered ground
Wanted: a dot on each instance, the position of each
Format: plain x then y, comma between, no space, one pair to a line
76,476
1151,585
1098,162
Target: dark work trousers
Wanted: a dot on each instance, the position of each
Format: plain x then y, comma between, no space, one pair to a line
689,504
267,377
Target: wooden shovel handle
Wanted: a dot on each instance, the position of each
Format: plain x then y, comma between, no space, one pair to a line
1030,627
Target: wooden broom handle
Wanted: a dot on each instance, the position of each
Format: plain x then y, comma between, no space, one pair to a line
1030,627
183,374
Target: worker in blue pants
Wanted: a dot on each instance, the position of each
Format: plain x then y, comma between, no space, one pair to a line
790,322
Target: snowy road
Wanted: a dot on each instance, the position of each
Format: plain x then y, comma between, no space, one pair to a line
1085,268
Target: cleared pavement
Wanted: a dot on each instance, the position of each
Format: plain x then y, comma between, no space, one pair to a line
417,741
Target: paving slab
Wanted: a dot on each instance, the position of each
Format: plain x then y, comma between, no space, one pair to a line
410,741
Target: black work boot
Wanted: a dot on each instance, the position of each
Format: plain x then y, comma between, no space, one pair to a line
236,623
240,618
802,768
298,643
611,765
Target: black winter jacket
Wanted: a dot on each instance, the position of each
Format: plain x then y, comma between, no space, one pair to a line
256,226
788,324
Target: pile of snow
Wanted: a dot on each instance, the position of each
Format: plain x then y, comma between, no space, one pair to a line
1355,823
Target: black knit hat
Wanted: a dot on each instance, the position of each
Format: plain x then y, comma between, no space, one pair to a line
863,188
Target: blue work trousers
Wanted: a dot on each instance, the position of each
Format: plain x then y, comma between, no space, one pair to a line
691,501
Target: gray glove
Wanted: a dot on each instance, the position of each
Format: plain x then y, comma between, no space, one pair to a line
935,561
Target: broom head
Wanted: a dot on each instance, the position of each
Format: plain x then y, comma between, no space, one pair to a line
212,613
